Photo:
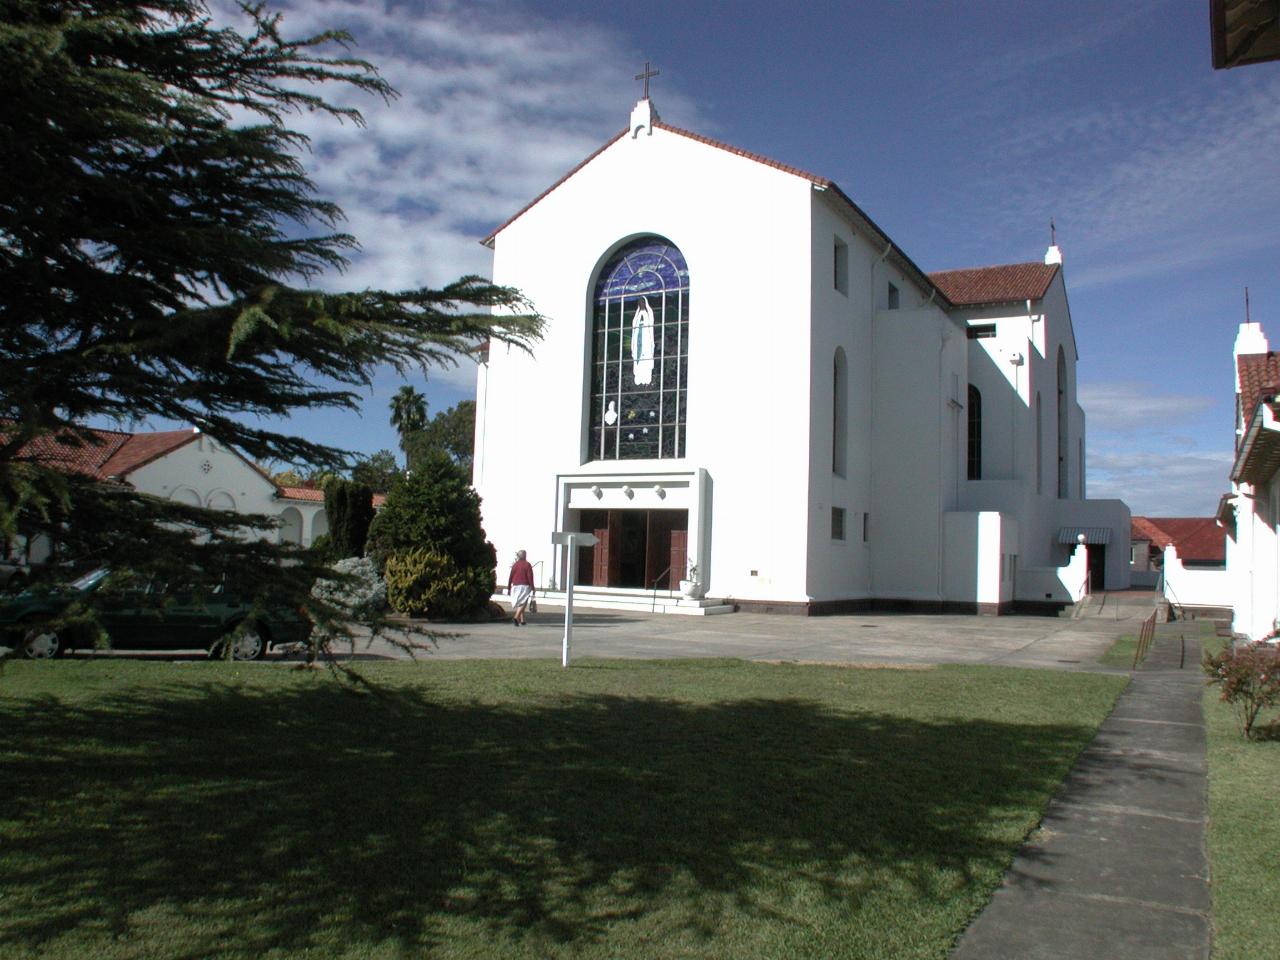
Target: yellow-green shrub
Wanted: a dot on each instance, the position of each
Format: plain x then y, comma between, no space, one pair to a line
427,583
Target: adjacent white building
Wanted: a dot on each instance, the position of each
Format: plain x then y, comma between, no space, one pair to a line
1251,511
186,466
742,373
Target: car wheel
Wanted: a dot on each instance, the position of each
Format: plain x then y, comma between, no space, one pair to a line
247,643
40,643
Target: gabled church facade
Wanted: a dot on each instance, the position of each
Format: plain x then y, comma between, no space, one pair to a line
744,375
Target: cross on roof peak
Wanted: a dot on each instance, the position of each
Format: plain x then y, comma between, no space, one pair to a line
645,77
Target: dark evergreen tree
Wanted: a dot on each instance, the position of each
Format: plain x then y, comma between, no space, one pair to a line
157,232
349,507
434,508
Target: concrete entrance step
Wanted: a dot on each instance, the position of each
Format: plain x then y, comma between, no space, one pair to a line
639,601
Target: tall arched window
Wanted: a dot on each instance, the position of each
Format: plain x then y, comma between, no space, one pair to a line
1039,444
839,413
975,433
1064,481
640,348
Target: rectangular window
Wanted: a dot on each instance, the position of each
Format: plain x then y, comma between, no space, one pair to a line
981,331
837,523
866,527
840,257
893,297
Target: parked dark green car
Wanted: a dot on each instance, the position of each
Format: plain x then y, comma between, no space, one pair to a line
149,617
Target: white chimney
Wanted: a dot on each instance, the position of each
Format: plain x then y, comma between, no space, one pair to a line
1249,339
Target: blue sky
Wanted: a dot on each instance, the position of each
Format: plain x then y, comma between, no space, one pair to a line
960,127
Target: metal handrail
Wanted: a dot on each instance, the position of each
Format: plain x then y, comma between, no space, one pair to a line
1145,635
1170,596
538,567
653,604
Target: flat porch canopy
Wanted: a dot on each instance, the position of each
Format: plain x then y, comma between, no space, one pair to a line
1098,536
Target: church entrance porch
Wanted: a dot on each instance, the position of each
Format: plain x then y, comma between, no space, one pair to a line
635,549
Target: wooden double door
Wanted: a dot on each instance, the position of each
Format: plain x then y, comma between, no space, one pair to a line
637,549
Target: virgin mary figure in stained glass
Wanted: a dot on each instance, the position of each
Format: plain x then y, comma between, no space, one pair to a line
642,344
640,347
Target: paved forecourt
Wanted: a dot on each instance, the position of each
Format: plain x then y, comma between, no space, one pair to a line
1043,642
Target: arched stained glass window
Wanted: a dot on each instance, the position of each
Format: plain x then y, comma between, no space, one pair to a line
640,348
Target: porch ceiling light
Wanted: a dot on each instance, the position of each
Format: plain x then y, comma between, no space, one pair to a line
627,491
657,488
596,491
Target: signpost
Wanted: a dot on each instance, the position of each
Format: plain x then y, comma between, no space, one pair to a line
570,540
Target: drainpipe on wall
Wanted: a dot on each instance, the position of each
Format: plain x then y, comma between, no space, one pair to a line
944,337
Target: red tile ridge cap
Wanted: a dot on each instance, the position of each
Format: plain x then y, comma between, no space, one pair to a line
746,154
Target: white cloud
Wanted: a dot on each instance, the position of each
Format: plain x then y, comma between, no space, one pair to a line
1160,483
1146,187
1133,407
496,104
494,107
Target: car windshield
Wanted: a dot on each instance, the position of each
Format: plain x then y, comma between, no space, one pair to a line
90,579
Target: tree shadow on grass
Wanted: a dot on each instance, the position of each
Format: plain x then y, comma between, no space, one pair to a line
320,819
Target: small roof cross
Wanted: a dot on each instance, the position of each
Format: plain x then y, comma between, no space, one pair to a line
645,77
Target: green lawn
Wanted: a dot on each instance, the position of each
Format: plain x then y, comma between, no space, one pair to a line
1244,835
1120,653
517,810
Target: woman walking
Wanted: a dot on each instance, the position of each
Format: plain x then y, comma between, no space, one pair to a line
520,587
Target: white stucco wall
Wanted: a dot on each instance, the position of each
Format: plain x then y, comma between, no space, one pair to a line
1195,586
748,355
915,443
204,473
1253,561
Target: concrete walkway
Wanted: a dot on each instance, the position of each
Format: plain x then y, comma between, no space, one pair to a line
1118,868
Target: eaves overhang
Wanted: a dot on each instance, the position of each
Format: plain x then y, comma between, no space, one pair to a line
881,240
1226,514
1258,457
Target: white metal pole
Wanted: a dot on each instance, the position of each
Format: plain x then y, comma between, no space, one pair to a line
568,602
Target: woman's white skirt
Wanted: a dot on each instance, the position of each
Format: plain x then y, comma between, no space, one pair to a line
521,594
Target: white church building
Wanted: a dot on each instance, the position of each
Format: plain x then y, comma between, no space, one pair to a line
743,376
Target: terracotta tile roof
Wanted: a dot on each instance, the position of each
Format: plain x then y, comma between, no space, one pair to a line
142,448
301,493
114,453
312,495
999,284
104,453
1140,528
70,454
1259,376
1197,539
